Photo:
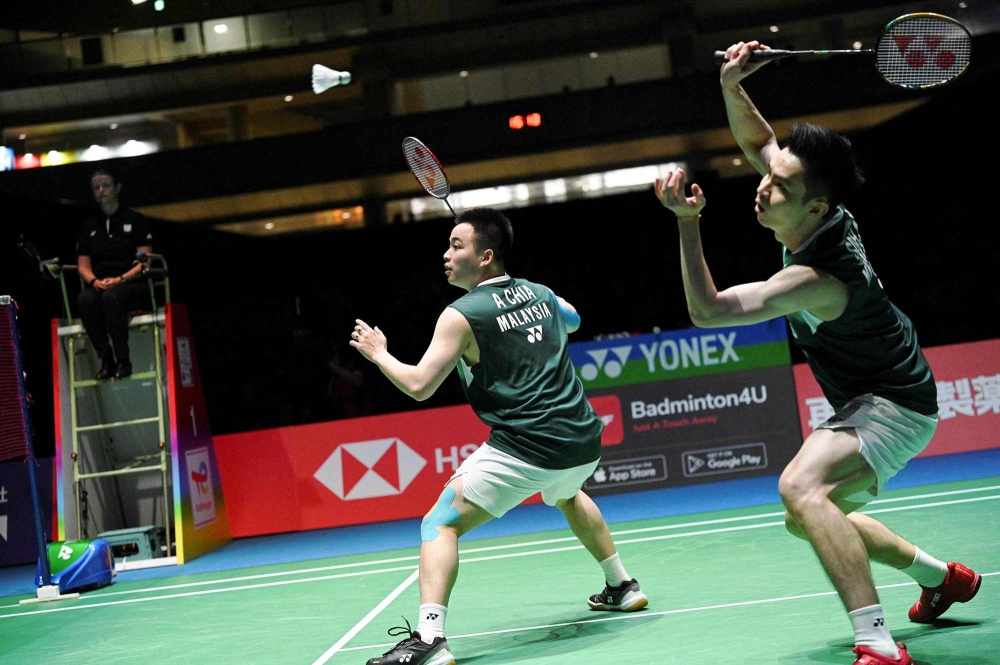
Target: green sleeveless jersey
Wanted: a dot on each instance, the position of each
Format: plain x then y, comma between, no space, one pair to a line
870,348
524,386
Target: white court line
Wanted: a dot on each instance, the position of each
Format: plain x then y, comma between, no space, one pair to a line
204,593
492,548
646,614
328,654
344,640
463,560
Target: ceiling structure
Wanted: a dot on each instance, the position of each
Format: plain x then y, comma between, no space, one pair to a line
429,64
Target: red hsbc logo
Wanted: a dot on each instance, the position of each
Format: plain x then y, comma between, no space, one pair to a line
369,469
609,409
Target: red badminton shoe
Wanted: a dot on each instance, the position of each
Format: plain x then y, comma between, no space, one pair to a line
960,586
868,657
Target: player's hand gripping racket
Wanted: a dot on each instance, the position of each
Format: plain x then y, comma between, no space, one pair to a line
914,51
427,170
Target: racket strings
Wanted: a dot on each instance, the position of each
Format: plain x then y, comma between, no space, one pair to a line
923,51
426,169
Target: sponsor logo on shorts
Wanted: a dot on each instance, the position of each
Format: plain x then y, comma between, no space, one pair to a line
728,459
636,471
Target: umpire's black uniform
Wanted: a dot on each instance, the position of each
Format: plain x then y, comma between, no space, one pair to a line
111,243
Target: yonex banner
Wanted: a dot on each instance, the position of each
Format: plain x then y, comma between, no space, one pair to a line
968,387
679,354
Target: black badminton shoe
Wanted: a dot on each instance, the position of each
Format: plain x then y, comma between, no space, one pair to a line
414,651
626,597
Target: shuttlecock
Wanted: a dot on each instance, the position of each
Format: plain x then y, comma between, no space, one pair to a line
325,78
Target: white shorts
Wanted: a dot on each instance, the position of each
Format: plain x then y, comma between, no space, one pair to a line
890,435
496,481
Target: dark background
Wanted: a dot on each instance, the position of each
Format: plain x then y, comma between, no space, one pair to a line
927,215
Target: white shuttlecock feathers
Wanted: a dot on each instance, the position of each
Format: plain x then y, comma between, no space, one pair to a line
324,78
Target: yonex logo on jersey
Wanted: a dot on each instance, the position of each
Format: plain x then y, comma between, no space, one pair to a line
368,469
432,616
534,333
612,368
878,622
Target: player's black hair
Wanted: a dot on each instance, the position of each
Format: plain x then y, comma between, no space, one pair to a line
828,158
491,230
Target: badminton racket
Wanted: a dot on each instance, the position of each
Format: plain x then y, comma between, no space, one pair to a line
914,51
427,170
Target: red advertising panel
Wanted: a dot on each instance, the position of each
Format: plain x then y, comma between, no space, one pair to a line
968,385
354,471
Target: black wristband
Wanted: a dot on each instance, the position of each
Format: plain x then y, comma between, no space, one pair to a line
91,282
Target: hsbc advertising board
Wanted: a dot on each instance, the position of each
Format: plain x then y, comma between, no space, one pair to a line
355,471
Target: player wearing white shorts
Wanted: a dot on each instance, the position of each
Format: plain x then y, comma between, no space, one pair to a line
508,338
862,350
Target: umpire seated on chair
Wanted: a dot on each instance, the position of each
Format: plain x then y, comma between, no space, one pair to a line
113,280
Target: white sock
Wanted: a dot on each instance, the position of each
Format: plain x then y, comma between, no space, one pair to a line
431,623
870,630
926,570
614,571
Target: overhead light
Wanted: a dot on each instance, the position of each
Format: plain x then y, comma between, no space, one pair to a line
857,46
159,5
28,155
220,28
114,125
138,2
269,226
593,54
463,73
131,142
345,215
53,153
963,5
94,146
22,136
288,98
774,28
737,162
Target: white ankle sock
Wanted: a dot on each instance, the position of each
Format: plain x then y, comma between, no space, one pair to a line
431,623
926,570
614,571
870,630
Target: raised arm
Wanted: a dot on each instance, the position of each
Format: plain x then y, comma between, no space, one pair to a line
793,289
452,336
754,136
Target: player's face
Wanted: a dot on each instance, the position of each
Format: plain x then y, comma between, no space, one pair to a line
781,194
104,188
462,264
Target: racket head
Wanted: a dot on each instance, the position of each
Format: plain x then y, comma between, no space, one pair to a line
923,50
426,168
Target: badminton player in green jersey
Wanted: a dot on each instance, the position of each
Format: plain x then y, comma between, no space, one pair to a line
508,338
862,350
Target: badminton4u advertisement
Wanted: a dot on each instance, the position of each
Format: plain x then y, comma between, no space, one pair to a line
696,405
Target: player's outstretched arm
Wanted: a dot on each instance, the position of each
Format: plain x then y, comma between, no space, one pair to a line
452,336
793,289
754,136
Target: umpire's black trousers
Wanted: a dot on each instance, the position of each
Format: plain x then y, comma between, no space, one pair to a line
105,314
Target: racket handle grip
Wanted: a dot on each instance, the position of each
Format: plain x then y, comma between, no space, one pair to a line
757,56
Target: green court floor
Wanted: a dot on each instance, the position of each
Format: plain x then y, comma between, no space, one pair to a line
727,587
